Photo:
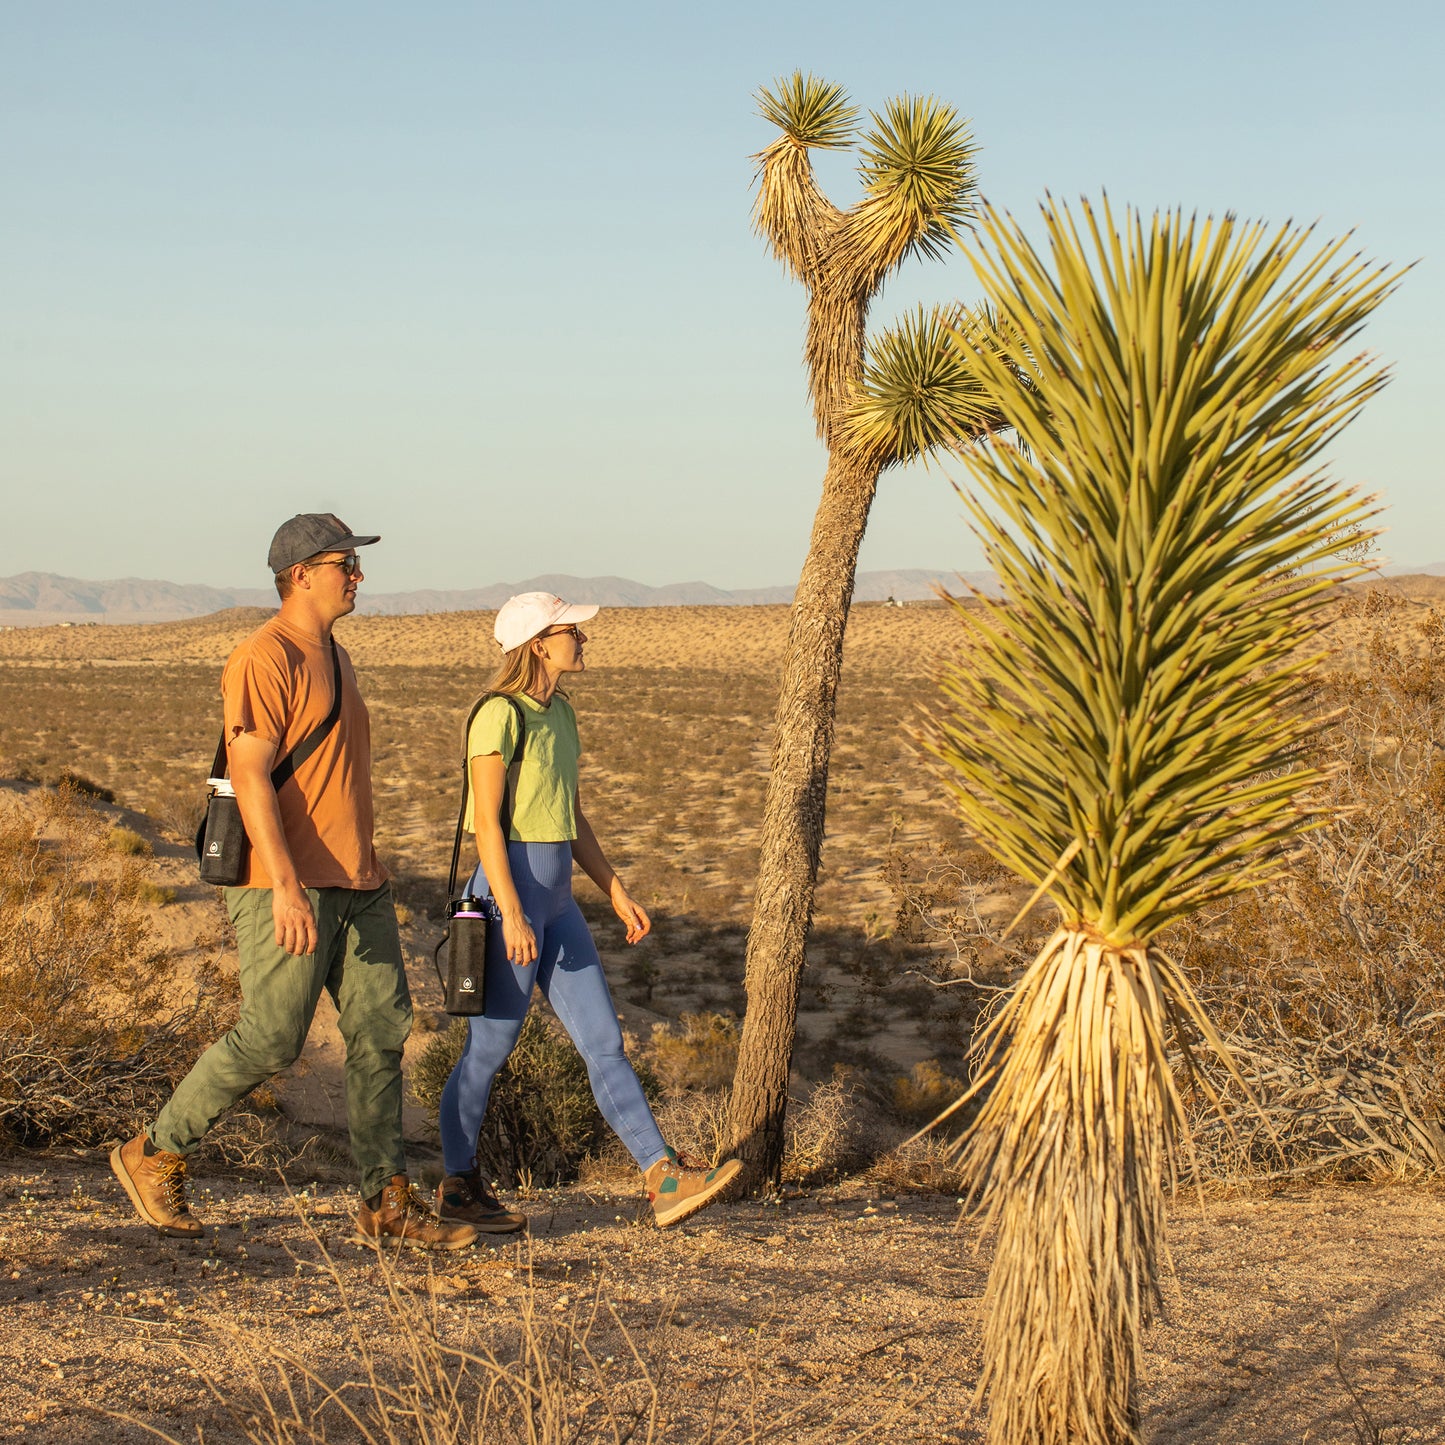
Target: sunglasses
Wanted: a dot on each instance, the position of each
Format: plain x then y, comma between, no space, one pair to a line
571,630
350,564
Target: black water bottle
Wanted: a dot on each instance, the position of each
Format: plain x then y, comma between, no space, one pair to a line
465,946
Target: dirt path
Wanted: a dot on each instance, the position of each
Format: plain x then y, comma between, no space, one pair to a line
838,1313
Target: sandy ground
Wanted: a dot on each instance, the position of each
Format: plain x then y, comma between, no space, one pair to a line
1307,1316
746,639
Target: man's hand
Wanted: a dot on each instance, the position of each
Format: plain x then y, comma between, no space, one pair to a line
295,922
251,758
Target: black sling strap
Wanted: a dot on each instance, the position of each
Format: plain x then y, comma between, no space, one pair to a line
509,793
283,770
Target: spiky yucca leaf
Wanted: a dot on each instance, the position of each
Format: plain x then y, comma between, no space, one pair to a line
1126,728
809,111
919,389
791,211
919,180
1135,692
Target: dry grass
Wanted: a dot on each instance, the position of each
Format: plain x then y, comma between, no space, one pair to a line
560,1370
92,1034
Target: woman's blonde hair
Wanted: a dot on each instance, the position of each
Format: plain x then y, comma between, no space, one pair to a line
521,670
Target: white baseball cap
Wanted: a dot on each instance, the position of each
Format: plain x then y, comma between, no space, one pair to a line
522,617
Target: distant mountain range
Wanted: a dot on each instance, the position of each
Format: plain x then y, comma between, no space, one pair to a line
36,598
40,598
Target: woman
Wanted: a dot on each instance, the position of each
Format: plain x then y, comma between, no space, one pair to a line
543,939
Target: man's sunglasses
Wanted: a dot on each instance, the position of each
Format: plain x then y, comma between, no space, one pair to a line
350,564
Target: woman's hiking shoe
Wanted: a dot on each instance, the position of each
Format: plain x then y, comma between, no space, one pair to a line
465,1199
678,1190
399,1217
156,1183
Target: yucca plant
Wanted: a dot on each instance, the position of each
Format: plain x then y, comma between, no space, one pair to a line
875,406
1125,727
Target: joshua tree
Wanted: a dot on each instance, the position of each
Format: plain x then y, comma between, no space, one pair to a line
1127,729
916,163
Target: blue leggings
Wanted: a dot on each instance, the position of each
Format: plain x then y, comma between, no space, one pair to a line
569,973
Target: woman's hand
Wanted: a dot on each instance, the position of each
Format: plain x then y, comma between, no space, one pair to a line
639,925
521,941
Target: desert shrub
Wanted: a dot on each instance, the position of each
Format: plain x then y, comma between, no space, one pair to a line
692,1121
699,1051
91,1037
541,1120
78,783
924,1092
928,1165
178,813
1329,986
153,895
127,842
833,1131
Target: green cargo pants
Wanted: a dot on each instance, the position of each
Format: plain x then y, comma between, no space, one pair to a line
358,962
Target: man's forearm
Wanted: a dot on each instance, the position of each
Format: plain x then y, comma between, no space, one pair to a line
261,813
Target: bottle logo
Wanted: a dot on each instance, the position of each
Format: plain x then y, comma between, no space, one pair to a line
215,848
467,986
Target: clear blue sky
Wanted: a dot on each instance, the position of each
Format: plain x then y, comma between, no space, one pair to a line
482,278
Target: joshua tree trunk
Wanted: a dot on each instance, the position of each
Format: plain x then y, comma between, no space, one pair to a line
918,184
1084,1226
793,816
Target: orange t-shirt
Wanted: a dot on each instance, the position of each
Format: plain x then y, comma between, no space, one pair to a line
277,686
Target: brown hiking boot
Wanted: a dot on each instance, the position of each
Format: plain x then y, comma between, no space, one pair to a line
465,1199
401,1218
678,1190
156,1183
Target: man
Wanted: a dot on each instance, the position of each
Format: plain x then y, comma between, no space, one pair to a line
314,909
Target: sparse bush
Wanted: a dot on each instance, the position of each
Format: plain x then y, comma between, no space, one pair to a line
91,1038
920,1166
542,1120
699,1051
78,783
1329,986
128,843
179,814
153,895
832,1131
696,1122
925,1092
